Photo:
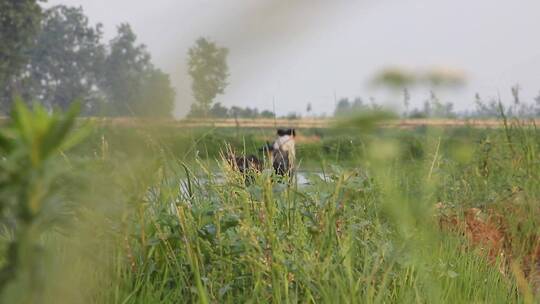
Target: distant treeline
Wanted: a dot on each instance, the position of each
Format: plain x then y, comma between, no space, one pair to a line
433,107
220,111
63,58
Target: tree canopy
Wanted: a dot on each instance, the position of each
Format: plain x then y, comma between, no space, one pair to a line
62,59
19,21
133,85
65,63
207,66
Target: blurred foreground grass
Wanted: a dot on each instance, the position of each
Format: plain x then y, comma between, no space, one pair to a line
139,215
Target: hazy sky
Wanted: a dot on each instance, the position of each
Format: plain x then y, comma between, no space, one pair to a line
300,51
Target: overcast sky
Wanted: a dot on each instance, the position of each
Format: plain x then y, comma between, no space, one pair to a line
300,51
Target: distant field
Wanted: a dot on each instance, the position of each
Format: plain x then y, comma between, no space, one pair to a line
305,123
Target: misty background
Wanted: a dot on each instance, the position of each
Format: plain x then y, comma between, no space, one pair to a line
294,53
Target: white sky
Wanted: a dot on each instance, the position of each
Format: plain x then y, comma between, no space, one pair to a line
301,51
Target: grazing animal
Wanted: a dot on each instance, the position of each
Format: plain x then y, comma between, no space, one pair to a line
281,153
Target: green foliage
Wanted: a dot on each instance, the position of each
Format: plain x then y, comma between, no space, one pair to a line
217,110
66,61
344,107
19,21
394,78
207,66
434,108
267,114
220,111
29,204
133,85
156,95
176,224
365,120
362,234
399,78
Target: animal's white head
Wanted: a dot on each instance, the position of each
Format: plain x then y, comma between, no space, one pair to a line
285,141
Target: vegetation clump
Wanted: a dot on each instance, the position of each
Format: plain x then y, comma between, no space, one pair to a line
358,225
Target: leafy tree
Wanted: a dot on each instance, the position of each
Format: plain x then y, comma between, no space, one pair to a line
267,114
66,60
438,109
219,111
485,109
244,112
416,113
196,111
19,21
207,66
406,100
124,68
358,105
157,95
134,87
427,108
343,107
293,116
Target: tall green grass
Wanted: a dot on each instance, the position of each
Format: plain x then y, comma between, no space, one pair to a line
150,220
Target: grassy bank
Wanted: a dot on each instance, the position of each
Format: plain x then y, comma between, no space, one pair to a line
137,215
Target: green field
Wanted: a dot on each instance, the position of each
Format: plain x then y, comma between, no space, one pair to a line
108,214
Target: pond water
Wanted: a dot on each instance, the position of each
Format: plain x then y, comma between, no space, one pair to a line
302,179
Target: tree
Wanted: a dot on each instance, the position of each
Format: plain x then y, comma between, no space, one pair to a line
244,112
133,86
427,108
437,109
156,95
125,66
358,105
406,100
485,110
207,66
195,111
293,116
343,107
219,111
267,114
66,60
19,21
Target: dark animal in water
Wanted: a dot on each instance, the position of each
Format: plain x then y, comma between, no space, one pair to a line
281,153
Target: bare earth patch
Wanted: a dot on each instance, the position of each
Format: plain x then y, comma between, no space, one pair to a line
488,234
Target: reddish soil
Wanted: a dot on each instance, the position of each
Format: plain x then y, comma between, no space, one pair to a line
488,234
